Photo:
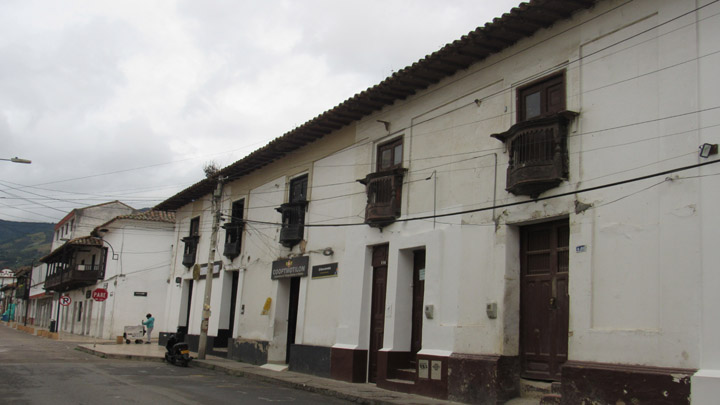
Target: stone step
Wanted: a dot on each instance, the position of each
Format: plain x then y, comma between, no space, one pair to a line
534,389
551,399
399,381
407,374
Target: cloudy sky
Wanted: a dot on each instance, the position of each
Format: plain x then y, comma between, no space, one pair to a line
129,99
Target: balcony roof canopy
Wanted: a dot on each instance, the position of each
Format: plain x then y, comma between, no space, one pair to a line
57,254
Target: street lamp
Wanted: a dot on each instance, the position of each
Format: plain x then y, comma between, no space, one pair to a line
18,160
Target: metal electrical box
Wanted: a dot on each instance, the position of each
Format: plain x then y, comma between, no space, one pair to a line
429,311
491,310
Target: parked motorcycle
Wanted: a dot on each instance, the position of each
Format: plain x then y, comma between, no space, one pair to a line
178,352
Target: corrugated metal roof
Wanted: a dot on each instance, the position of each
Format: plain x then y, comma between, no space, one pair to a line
521,22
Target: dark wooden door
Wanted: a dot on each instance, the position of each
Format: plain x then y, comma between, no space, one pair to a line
417,303
377,307
233,302
292,315
189,305
544,299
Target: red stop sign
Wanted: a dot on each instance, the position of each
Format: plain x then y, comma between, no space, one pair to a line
100,294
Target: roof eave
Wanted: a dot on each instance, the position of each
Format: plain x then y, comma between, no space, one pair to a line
521,22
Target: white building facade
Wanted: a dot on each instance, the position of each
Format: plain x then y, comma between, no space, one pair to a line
120,250
526,203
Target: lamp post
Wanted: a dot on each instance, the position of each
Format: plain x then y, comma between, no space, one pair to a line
18,160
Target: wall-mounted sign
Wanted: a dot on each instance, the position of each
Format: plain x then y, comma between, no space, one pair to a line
436,370
286,268
424,369
100,294
7,273
325,270
140,293
216,269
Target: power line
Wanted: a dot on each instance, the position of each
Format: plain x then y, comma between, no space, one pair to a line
515,203
503,91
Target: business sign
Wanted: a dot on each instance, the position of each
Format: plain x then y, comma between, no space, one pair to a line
287,268
325,270
204,269
7,273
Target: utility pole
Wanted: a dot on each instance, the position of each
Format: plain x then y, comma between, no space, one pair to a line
216,199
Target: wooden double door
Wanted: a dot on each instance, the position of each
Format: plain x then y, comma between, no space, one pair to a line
544,299
378,301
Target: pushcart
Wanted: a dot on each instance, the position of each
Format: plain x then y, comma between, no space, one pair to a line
134,333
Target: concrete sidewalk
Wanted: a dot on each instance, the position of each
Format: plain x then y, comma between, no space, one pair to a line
59,336
360,393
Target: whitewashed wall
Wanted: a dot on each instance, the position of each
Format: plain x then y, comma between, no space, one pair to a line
143,252
634,292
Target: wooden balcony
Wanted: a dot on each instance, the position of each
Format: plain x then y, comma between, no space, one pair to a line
78,276
537,154
67,268
233,239
293,221
384,193
190,251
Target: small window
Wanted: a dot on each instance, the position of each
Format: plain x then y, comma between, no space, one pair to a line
541,99
390,155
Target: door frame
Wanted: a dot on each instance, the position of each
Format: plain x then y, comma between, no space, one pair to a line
555,294
379,269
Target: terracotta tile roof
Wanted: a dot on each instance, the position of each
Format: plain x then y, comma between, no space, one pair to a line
82,241
521,22
152,215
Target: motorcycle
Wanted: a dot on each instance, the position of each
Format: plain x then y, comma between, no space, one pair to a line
178,352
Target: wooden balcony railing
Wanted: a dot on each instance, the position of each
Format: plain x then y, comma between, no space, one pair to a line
77,276
537,154
191,243
384,193
293,221
233,239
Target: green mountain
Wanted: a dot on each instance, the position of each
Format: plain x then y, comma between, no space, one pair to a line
23,242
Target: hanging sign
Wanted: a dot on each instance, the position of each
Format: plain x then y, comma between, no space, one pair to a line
287,268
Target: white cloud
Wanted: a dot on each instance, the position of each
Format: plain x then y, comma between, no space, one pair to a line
95,87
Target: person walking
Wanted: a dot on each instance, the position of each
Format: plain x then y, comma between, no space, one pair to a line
149,323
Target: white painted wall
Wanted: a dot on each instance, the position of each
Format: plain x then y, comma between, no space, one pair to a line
634,293
641,293
143,252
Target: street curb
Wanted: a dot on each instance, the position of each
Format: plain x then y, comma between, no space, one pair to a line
118,356
289,379
240,373
290,384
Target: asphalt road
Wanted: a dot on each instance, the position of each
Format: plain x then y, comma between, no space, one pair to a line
35,370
